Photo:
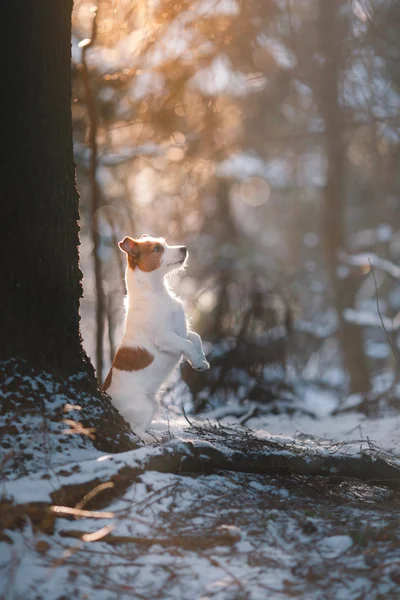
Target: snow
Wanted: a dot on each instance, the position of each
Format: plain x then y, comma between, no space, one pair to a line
225,535
352,431
377,350
332,547
210,536
349,433
369,259
367,319
371,237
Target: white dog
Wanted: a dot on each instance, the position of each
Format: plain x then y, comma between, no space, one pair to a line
156,333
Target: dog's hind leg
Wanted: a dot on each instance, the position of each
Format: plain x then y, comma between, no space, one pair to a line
142,413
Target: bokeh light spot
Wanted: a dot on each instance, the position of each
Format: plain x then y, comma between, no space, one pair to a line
178,138
207,301
175,154
255,191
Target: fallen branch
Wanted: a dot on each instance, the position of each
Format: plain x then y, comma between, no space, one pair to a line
270,458
66,510
211,449
253,412
192,542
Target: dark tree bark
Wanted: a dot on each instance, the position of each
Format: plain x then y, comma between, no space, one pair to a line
344,290
40,279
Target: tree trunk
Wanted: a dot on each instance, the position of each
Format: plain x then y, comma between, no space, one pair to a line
40,280
44,372
344,290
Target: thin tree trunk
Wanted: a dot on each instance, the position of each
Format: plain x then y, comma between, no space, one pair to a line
344,290
226,234
94,202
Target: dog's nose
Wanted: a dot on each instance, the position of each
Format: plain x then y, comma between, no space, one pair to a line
184,251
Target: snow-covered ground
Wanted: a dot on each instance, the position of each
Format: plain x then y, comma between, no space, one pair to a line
225,537
350,430
228,536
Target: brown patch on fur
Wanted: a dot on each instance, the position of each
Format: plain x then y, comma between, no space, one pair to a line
132,359
132,261
107,381
144,257
128,359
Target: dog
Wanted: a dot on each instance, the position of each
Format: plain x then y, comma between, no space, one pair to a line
156,332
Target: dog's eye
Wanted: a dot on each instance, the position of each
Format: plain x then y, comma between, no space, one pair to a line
157,248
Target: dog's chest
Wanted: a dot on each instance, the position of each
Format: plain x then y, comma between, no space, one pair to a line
165,314
179,324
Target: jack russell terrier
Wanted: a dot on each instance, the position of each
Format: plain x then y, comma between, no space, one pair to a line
156,331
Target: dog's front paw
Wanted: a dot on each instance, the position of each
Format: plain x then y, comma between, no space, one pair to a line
201,365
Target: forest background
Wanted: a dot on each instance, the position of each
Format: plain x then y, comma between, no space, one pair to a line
264,136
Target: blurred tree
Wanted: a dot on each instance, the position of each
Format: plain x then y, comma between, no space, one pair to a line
332,28
261,133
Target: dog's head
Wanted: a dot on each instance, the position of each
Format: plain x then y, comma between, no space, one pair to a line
153,255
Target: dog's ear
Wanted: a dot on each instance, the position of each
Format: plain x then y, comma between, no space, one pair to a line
130,246
144,235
